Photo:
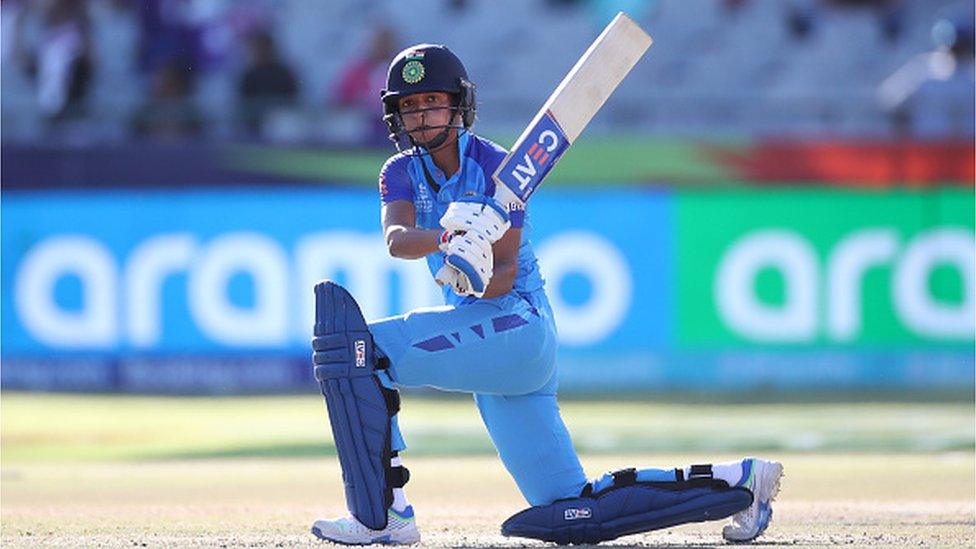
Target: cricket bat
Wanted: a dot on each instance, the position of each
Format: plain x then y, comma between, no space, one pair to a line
565,114
569,109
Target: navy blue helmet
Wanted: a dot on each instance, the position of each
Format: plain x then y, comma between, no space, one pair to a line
426,68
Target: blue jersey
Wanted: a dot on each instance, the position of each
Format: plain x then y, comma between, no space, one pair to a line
403,178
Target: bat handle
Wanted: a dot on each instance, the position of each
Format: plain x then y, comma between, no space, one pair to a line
506,197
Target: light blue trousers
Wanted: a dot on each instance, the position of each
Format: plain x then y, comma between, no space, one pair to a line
503,350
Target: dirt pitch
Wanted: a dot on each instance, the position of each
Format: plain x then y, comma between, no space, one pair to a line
852,500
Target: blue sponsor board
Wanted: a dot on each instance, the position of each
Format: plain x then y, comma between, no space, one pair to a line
175,272
524,169
95,286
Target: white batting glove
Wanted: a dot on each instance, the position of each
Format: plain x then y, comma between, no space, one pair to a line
479,214
447,236
470,257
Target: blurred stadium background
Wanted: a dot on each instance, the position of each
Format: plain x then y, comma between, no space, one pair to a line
177,173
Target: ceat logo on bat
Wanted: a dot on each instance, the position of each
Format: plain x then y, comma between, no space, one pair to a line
534,157
577,514
360,353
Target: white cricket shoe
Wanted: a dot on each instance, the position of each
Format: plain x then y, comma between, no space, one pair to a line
762,478
401,529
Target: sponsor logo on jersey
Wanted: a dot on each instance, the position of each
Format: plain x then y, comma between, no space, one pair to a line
384,190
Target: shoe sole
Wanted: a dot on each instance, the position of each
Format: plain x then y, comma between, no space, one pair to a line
380,540
770,474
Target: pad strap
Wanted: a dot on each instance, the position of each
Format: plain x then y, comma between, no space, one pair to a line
700,471
624,477
397,477
699,475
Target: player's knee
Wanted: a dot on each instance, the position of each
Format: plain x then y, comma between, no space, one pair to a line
557,487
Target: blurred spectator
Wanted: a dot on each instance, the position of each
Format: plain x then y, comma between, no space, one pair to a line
733,5
933,94
361,80
803,16
267,83
800,18
206,34
170,113
61,62
167,35
893,22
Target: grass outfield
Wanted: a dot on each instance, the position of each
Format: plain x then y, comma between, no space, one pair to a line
45,427
123,471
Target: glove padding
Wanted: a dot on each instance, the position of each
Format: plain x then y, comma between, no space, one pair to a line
449,276
468,265
480,214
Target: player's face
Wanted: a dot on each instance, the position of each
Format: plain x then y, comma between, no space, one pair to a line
425,114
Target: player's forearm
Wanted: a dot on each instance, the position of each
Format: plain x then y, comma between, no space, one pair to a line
502,279
411,242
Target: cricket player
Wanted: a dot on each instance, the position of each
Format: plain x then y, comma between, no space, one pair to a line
495,338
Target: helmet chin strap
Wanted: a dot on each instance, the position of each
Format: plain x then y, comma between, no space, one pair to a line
437,142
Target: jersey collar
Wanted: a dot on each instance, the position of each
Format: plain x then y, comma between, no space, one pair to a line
436,172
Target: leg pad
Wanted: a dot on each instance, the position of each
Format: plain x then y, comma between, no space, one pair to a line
627,507
360,408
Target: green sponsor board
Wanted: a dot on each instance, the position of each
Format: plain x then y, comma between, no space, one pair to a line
802,267
620,161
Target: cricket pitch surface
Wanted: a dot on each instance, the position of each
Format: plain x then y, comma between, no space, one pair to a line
855,500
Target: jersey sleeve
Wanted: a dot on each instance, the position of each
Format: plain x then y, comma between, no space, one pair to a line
394,180
489,156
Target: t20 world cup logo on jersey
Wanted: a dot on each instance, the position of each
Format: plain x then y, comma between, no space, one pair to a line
537,154
422,202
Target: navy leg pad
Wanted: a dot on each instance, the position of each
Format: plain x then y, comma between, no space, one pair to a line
359,407
630,509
